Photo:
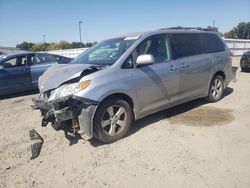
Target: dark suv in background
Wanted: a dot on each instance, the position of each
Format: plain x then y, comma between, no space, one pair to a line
245,62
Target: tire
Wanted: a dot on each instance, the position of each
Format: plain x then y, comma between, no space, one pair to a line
243,69
112,120
216,89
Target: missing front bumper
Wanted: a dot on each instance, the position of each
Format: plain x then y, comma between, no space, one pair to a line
76,113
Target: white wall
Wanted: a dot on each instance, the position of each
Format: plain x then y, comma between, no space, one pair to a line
237,46
72,53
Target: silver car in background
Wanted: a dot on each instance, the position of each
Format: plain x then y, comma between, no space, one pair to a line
123,79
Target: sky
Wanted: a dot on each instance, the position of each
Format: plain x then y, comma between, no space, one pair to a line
29,20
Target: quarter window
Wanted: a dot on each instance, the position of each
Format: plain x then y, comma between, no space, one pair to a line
212,43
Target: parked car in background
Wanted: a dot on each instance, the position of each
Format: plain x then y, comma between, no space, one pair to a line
245,62
61,59
126,78
20,71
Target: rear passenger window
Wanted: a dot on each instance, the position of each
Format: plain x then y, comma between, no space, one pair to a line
42,58
186,44
212,42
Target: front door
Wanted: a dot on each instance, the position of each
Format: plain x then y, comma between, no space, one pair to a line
157,84
15,75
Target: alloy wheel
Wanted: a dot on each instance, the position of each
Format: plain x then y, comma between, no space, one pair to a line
217,88
114,120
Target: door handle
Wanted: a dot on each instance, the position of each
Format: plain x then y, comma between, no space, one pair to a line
172,68
24,69
184,65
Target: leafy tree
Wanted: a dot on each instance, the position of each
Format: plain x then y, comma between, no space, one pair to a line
52,46
241,31
39,47
63,45
77,45
211,28
25,45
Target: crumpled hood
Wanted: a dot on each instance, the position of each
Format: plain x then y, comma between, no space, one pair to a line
58,74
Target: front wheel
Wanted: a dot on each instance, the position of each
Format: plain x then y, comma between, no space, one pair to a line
216,89
112,120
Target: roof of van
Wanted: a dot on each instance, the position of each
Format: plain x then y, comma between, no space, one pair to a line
167,30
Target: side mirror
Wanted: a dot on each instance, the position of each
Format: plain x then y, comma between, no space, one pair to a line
1,67
145,59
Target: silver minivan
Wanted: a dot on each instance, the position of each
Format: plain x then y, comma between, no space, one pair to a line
123,79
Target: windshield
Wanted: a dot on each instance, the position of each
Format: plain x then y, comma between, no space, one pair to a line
105,52
2,58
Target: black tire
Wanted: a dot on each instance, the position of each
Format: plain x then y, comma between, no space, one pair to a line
103,133
212,96
243,69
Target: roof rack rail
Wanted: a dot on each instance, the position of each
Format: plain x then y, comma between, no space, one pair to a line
186,28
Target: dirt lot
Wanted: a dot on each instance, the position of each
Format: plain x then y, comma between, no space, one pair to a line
191,145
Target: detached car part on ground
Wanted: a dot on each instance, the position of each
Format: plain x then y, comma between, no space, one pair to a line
123,79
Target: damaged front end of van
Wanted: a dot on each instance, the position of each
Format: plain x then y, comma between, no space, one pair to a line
58,104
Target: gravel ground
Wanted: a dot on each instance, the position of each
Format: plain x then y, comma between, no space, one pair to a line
192,145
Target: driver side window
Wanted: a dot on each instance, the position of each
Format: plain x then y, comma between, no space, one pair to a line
15,62
158,46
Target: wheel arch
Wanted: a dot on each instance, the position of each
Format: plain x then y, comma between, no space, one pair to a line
123,96
221,73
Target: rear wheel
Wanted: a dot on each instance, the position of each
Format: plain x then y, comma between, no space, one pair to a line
216,89
112,120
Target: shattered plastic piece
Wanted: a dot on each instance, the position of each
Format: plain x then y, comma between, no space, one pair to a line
44,122
34,107
36,147
34,135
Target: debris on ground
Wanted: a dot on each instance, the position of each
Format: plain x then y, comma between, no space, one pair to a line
36,147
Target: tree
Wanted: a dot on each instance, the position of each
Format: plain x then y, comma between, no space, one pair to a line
63,45
211,28
39,47
52,46
25,45
241,31
77,45
58,46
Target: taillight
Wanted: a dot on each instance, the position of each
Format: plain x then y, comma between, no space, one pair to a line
231,56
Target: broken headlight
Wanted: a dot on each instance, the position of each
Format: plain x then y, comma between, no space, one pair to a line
68,89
